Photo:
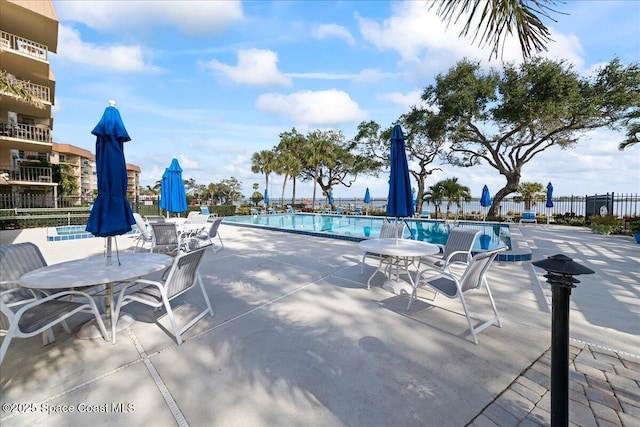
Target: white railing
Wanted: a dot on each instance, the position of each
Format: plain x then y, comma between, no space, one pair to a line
29,132
22,45
41,92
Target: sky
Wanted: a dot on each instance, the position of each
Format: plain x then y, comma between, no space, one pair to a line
212,82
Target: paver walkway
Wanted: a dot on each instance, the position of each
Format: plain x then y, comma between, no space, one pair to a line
604,390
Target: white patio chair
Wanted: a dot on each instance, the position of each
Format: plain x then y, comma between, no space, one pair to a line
28,312
457,249
388,230
206,238
144,235
453,287
165,238
182,276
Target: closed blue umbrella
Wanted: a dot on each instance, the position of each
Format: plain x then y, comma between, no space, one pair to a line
266,197
400,202
172,195
330,198
549,203
367,196
367,200
485,199
111,213
549,196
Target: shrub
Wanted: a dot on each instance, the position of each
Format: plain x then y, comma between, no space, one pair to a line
634,227
605,224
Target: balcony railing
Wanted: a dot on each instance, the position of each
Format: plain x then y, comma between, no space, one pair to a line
31,174
41,92
36,133
26,46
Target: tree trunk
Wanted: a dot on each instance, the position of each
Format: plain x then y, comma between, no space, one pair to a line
284,184
513,181
293,197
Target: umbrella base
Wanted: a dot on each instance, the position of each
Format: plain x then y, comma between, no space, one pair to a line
91,331
398,287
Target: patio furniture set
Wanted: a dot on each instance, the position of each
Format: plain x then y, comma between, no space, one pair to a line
35,296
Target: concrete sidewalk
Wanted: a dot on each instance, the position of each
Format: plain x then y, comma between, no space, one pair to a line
298,340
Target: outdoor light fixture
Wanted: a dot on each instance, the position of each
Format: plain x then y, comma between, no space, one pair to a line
560,275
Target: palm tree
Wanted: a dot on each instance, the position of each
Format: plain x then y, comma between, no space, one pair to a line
263,162
531,192
434,195
288,157
494,20
454,192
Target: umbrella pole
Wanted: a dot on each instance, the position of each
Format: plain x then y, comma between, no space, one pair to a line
109,250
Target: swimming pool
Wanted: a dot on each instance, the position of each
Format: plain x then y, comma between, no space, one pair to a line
357,228
73,232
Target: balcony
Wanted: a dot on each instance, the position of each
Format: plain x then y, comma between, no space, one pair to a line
26,174
34,133
24,46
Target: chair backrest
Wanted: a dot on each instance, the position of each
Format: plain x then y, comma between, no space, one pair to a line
528,216
17,259
199,219
271,210
204,210
460,239
339,209
392,229
165,233
290,209
213,230
142,227
192,214
473,276
182,275
254,211
155,218
357,210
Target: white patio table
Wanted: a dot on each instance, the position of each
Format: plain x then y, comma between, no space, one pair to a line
400,249
94,271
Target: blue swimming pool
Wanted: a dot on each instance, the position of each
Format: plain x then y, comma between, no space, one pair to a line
356,228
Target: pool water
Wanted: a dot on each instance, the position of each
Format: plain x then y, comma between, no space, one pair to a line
356,228
73,232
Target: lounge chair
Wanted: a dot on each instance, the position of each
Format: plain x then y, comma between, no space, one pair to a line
23,312
271,211
339,210
528,217
453,287
356,211
425,214
144,235
254,211
291,210
457,250
182,276
326,211
204,210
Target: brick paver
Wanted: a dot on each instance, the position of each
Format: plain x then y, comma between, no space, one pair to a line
604,390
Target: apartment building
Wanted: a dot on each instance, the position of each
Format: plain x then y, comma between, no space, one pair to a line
82,165
28,34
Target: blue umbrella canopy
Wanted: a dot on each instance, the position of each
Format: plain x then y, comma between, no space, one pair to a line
111,212
400,202
330,198
172,195
485,199
367,196
549,196
266,197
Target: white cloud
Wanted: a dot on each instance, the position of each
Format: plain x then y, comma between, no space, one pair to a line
190,17
333,30
404,100
427,45
255,67
366,76
324,107
114,57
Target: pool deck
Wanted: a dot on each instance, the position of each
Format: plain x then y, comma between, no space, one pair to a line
297,339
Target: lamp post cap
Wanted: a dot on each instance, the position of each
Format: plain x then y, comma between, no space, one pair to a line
562,264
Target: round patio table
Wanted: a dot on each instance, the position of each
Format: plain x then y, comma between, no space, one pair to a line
94,271
395,250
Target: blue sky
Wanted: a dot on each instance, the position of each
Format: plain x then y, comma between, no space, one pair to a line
213,82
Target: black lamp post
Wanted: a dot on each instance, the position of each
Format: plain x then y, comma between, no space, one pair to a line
560,271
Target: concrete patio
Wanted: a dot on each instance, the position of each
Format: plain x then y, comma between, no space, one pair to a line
297,339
